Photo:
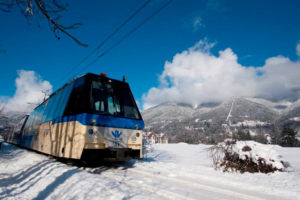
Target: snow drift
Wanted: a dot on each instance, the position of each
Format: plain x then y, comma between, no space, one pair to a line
246,156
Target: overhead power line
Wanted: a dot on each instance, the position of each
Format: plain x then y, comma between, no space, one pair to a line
117,43
72,69
124,23
92,47
124,37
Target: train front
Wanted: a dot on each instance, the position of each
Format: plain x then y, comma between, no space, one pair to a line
114,125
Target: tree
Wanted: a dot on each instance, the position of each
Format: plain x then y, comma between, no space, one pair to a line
275,134
288,138
260,137
39,9
211,140
246,136
241,135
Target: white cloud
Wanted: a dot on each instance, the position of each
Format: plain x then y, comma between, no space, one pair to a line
197,23
247,56
137,103
29,89
4,99
212,8
298,49
196,76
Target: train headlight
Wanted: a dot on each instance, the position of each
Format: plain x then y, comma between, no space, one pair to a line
133,139
137,135
91,131
95,137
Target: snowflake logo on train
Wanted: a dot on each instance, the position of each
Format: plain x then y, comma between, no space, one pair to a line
116,134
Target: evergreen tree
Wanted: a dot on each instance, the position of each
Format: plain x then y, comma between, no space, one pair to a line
243,135
247,136
288,138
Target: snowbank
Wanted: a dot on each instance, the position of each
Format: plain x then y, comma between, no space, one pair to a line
246,156
182,143
192,163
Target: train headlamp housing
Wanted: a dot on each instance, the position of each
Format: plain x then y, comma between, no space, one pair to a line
135,137
93,134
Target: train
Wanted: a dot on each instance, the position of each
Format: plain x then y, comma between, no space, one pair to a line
90,118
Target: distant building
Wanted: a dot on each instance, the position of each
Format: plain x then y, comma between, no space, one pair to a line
153,138
161,138
150,137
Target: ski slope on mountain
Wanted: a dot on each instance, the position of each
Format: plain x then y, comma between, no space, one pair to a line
173,171
253,114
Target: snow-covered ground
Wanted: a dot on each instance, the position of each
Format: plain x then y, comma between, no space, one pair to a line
173,171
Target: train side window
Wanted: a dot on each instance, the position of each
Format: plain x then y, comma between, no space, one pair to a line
111,108
117,103
58,104
31,119
32,115
28,121
52,109
41,110
46,106
35,117
48,109
19,125
76,103
99,106
65,98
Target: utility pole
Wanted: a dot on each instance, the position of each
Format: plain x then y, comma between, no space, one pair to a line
45,92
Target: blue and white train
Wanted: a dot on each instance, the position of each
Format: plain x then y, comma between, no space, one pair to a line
92,117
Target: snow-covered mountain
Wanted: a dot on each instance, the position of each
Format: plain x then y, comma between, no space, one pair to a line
234,113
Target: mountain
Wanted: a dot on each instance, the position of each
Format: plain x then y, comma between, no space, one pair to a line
163,115
252,114
291,116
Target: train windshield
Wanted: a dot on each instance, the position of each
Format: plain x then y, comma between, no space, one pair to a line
114,100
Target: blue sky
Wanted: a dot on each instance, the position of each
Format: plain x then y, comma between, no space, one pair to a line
254,30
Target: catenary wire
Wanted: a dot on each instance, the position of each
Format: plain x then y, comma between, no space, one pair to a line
109,49
124,23
82,57
124,37
101,43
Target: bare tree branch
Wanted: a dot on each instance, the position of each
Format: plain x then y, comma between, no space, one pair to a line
37,9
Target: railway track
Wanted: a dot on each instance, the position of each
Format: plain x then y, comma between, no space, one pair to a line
163,186
157,181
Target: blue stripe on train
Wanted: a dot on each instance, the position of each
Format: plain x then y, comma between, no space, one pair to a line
107,121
